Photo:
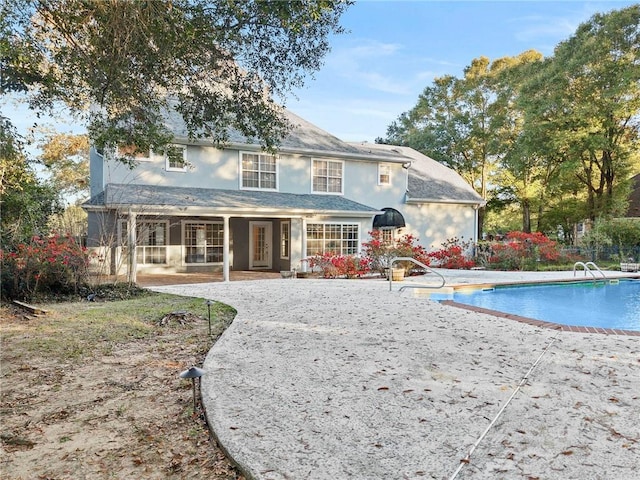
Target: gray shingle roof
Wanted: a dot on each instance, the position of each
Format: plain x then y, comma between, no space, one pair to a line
218,200
304,137
432,181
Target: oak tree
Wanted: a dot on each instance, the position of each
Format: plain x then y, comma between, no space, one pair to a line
124,66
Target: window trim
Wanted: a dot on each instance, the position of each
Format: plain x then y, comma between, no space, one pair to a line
328,161
167,166
389,233
276,161
324,239
382,166
124,240
183,237
285,242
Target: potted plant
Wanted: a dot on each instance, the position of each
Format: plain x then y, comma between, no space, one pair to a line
397,274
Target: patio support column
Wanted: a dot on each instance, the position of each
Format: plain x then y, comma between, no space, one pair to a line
225,248
304,245
132,241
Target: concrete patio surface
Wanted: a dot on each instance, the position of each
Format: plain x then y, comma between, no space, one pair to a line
344,379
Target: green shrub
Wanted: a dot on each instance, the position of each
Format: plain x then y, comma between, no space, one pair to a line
621,235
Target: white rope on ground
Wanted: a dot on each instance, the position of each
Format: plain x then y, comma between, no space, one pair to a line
466,460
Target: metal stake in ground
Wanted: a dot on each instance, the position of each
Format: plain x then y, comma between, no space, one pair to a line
209,303
193,373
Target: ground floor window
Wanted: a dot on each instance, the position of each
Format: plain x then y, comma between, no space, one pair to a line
342,239
388,234
285,236
151,241
203,242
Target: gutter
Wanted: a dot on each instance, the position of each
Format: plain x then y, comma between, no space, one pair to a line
236,212
474,203
302,151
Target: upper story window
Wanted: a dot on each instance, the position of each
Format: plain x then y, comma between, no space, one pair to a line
384,174
258,171
327,176
175,157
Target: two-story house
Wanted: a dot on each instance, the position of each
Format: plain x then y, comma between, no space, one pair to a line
195,207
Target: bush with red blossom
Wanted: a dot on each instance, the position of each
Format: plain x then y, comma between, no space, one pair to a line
455,254
523,251
380,251
335,265
53,266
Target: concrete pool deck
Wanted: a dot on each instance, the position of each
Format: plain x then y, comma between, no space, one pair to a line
344,379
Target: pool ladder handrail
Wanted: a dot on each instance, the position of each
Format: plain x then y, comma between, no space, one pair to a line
420,264
587,268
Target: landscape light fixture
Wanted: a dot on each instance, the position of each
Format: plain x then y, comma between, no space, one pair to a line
209,303
193,373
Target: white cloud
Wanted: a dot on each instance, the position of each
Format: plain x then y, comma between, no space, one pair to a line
371,65
536,28
354,119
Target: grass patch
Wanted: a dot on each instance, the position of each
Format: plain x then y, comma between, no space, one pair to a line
88,372
74,330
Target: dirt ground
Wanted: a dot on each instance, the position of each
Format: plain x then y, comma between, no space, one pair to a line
121,413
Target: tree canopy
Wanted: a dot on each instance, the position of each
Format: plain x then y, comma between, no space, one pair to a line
587,100
66,157
121,66
26,202
559,137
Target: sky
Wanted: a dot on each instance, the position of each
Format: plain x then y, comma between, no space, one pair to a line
393,49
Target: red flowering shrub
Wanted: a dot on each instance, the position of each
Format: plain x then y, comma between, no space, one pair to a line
379,252
453,254
523,251
334,265
56,265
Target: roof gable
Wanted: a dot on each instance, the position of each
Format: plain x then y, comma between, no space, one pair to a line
431,181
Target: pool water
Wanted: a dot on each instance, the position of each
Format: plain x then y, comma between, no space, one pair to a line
594,304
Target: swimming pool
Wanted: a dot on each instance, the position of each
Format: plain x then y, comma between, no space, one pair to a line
605,304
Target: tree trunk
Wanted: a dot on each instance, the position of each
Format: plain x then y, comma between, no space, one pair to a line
526,215
481,214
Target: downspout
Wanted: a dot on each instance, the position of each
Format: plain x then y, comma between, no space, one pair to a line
475,223
406,167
